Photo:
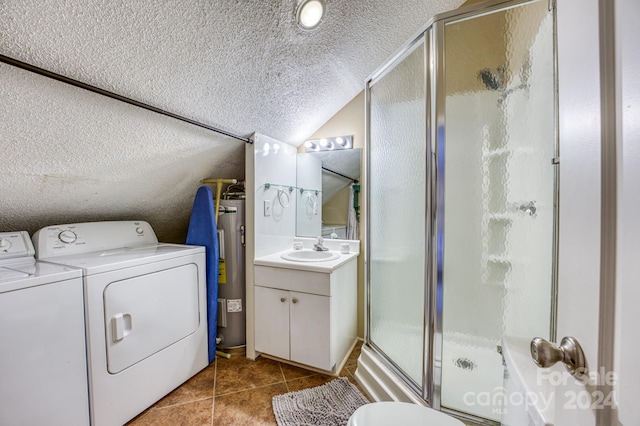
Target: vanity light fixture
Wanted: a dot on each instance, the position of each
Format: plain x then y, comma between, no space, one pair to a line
329,144
309,14
311,146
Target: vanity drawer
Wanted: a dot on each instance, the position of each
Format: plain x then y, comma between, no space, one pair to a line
293,279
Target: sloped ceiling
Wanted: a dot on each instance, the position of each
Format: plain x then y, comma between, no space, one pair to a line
243,66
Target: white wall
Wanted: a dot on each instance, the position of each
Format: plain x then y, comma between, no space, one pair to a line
309,221
274,162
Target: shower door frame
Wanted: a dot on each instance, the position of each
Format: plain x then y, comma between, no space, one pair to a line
433,36
418,388
438,184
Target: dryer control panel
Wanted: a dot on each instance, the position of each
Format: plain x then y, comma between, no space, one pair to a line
15,244
76,238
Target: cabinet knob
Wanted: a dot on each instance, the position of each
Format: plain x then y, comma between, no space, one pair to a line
294,300
283,299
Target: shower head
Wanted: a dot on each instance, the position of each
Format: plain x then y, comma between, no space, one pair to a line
491,79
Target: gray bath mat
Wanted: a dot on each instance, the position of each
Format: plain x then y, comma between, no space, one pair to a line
328,405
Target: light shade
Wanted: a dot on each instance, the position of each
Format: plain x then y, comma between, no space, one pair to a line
309,14
329,144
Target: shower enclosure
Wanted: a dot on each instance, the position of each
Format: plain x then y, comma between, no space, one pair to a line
461,216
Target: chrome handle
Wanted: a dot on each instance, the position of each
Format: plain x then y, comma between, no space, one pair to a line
570,352
283,299
530,208
294,300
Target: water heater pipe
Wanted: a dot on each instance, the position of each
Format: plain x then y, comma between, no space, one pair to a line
218,183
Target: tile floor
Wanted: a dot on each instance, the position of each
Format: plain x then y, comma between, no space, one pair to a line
236,392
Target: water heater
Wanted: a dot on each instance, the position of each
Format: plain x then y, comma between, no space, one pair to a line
231,275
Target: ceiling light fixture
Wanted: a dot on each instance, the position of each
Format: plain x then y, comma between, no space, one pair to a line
309,14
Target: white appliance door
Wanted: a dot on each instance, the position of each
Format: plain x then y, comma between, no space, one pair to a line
43,370
148,313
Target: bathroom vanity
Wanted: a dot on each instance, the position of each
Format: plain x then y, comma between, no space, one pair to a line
305,310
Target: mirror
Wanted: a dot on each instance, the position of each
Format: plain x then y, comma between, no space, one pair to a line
324,179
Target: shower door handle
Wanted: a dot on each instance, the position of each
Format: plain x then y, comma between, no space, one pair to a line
570,353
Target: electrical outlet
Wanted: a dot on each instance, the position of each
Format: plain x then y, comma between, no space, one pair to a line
267,208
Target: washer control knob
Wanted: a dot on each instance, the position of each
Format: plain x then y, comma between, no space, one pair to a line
139,230
4,244
67,237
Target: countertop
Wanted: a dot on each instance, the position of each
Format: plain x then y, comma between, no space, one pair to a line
275,260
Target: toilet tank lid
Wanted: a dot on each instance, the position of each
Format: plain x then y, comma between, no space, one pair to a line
399,413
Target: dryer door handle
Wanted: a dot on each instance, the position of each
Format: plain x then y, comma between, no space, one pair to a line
120,326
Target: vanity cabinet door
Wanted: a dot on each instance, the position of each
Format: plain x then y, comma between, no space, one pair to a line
310,319
272,321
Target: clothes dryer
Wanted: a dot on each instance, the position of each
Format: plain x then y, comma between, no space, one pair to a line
43,368
145,311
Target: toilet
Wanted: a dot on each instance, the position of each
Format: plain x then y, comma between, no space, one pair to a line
400,413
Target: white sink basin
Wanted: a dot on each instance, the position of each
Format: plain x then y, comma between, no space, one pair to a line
310,255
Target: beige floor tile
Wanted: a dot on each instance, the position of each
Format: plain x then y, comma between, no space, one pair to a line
240,373
242,391
247,408
292,372
196,413
198,387
353,358
308,382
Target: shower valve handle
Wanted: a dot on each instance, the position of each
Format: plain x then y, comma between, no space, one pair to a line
530,208
569,352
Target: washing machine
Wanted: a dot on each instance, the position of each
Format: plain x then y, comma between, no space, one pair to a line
43,368
145,305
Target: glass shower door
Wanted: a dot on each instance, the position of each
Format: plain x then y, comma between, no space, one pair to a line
497,225
396,163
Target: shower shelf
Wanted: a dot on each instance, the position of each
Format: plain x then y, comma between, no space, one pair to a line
496,152
492,258
506,217
496,271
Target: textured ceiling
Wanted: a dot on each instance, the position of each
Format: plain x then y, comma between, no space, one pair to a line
243,65
69,155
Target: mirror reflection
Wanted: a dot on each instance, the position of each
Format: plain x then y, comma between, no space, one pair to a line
328,194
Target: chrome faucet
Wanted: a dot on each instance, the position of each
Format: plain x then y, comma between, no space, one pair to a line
319,245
